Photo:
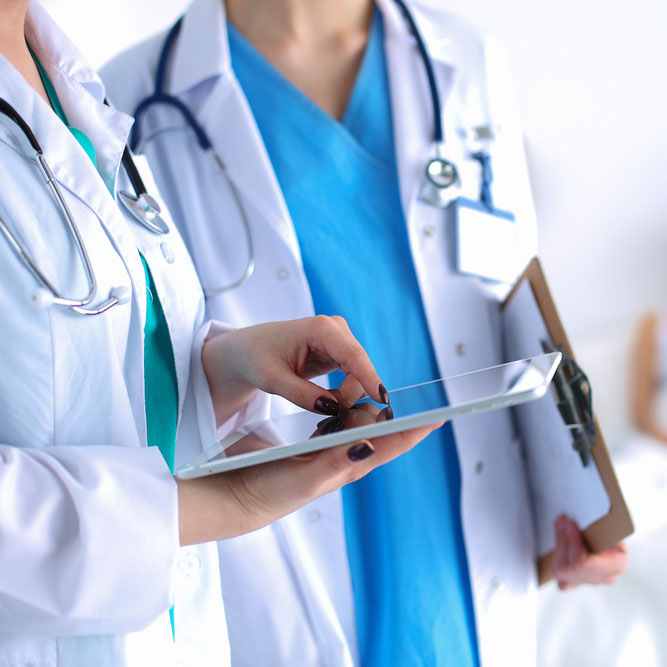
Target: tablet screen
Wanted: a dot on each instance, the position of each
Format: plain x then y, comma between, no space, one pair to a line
417,405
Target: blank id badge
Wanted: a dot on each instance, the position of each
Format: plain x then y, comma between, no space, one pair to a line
486,241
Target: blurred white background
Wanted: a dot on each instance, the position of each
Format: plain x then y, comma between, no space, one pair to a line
591,82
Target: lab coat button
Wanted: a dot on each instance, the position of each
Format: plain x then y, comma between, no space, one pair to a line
479,466
498,584
460,349
167,252
314,516
429,231
189,564
282,273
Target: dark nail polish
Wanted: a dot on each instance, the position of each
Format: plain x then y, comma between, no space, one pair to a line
327,406
324,421
384,394
359,452
333,426
386,413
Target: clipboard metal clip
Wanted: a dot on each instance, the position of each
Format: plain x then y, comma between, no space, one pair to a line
575,402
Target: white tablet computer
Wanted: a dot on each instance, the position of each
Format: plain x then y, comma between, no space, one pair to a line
303,432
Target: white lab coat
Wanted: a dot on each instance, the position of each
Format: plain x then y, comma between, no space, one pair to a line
287,588
89,542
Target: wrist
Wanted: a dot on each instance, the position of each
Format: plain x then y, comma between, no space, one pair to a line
204,510
230,389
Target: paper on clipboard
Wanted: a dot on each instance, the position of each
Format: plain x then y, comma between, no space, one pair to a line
557,484
558,481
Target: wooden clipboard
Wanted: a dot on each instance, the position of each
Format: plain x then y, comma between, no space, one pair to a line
617,524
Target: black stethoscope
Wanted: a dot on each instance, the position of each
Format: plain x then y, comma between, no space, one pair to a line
143,208
441,177
160,96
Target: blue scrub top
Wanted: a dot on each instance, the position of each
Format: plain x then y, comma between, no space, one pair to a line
403,527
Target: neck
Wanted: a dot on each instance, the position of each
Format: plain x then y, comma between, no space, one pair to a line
308,21
317,44
12,23
13,45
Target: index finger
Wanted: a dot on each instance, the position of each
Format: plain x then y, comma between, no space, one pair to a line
333,339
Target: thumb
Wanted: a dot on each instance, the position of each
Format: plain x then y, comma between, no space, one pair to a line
334,467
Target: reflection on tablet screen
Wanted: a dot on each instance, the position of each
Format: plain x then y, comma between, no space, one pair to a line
500,381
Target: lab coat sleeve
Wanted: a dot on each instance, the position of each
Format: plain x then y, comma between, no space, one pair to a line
256,409
88,539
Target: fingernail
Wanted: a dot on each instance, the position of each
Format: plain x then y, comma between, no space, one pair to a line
360,452
384,394
324,421
327,406
386,413
333,426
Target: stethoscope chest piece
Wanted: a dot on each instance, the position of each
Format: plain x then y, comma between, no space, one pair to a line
441,184
145,210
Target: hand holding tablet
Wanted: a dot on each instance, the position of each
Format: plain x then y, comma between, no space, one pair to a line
305,433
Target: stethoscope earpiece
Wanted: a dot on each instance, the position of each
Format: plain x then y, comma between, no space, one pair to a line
121,293
41,298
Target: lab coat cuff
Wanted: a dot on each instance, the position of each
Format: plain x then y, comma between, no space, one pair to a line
91,539
255,410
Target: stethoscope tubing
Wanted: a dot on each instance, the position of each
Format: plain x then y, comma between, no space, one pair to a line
53,295
438,133
161,97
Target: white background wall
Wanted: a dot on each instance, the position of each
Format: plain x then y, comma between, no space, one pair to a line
592,90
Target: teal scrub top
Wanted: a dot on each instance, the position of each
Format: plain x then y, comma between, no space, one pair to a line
403,529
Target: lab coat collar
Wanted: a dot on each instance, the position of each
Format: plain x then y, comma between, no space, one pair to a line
201,53
81,93
203,24
440,48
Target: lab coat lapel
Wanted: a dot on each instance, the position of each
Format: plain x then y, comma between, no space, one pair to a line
226,115
81,94
253,175
411,100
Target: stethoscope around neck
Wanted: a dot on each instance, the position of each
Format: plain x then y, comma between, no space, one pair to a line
161,97
441,176
143,208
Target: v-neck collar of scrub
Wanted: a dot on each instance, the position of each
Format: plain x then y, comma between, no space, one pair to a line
81,94
80,136
368,116
203,25
355,104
